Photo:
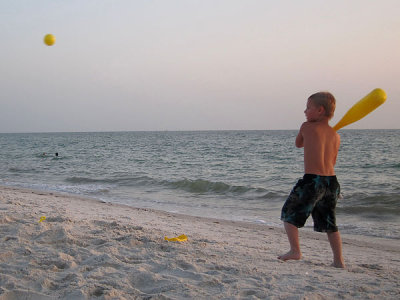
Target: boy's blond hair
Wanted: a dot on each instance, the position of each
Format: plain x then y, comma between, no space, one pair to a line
326,100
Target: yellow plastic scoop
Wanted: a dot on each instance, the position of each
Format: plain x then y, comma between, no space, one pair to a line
42,219
181,238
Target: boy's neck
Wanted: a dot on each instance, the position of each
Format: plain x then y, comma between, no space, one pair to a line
322,120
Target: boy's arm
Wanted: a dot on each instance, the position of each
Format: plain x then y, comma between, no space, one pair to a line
300,138
337,148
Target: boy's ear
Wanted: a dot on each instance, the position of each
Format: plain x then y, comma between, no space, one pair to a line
321,110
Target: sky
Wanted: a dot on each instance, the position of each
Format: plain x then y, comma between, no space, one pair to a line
126,65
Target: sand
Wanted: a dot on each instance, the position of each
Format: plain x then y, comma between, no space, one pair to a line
88,249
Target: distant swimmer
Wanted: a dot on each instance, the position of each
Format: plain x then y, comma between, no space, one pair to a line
56,153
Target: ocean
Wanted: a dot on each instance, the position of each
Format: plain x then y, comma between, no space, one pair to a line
234,175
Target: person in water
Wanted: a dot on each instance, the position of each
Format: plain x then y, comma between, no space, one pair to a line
317,192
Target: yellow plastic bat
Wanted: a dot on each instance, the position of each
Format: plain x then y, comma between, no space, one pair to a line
181,238
362,108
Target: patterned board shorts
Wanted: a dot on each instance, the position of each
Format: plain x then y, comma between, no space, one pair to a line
315,195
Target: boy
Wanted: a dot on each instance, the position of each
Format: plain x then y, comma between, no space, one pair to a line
317,192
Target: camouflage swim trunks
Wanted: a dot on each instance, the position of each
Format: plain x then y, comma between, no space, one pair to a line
315,195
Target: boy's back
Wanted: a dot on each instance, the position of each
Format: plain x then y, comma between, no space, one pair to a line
321,145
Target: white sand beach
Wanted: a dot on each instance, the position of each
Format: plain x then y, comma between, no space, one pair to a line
87,249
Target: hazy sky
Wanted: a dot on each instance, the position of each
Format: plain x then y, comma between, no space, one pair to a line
193,65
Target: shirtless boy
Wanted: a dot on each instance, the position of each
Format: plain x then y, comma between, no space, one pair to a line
317,192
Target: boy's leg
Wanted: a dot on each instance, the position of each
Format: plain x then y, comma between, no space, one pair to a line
336,245
293,237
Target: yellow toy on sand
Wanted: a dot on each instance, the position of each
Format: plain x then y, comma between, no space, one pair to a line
362,108
42,219
181,238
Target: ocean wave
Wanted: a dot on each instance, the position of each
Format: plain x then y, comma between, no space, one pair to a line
201,186
381,204
381,166
119,181
21,170
369,211
195,186
84,180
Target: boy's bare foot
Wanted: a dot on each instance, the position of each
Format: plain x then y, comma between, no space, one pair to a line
338,264
291,255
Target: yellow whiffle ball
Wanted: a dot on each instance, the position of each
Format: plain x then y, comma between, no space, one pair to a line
49,39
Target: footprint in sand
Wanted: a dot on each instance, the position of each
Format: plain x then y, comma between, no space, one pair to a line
372,266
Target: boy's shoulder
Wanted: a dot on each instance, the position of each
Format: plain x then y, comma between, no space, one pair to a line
309,124
320,127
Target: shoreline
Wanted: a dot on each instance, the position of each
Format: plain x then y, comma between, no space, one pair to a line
308,228
87,248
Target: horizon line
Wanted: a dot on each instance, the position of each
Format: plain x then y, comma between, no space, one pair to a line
181,130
